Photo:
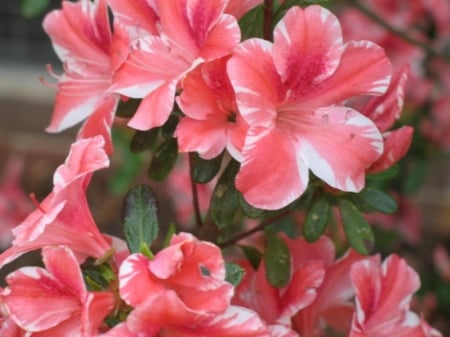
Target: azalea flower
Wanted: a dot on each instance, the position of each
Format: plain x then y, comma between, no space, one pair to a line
82,38
239,8
63,217
182,292
276,306
291,93
383,295
212,121
54,301
191,32
332,305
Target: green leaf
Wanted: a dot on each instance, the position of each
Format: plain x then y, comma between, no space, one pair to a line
414,177
357,229
248,209
225,197
163,160
316,219
140,214
234,273
168,129
251,23
170,232
33,8
252,254
127,108
278,261
144,140
206,170
389,173
374,200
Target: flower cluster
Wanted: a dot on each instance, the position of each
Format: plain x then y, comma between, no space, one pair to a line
285,110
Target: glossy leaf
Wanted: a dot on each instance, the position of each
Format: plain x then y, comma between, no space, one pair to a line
374,200
225,198
316,219
357,229
249,210
206,170
251,24
144,140
234,273
140,215
252,254
163,160
278,261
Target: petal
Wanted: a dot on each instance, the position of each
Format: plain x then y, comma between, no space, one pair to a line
36,301
81,36
344,131
62,264
255,81
364,69
138,16
383,292
96,307
85,157
188,23
134,274
302,289
77,98
386,109
207,137
222,38
155,108
307,48
100,123
396,145
271,175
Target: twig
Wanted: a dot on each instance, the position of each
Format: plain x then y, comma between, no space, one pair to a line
254,230
268,20
195,202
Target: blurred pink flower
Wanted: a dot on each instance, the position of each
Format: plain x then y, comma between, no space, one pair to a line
82,38
54,301
63,217
291,93
383,295
191,32
15,204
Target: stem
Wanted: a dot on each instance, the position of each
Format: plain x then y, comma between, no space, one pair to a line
195,202
268,20
254,230
400,33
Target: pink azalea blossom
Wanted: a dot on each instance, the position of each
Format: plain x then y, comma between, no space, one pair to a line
54,301
64,217
192,32
183,292
82,38
212,121
331,304
276,306
436,127
291,93
383,295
